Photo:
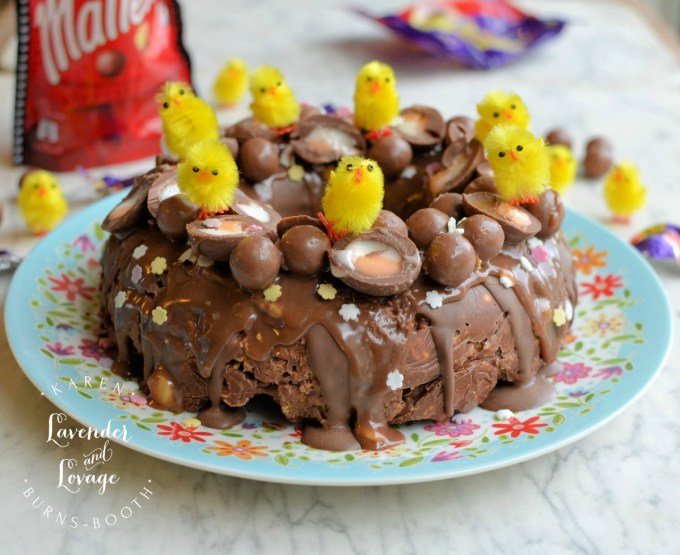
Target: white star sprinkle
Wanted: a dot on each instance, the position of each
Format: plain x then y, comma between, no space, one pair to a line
524,261
395,380
139,252
119,301
503,414
434,299
349,312
506,282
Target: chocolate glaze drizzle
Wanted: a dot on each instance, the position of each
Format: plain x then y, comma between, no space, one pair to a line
220,345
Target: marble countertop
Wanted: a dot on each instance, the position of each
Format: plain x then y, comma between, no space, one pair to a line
615,491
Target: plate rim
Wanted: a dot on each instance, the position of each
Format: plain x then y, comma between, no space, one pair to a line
16,294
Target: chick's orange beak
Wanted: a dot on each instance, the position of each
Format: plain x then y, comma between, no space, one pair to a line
618,176
359,174
176,101
204,176
272,91
42,191
513,155
508,115
375,87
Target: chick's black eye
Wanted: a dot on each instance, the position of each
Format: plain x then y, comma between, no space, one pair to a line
501,154
349,167
263,89
387,79
369,79
181,91
369,167
520,148
36,186
496,115
54,185
166,105
278,84
215,172
513,106
195,168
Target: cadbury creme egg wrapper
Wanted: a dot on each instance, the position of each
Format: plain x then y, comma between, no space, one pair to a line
325,139
450,259
216,237
163,187
379,262
549,210
421,126
255,262
517,223
304,249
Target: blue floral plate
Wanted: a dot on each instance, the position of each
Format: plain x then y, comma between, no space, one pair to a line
620,339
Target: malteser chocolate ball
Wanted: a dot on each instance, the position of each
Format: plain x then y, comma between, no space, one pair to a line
559,137
232,145
599,157
425,224
393,155
449,203
258,159
451,259
485,234
255,262
174,213
110,63
549,210
304,250
391,221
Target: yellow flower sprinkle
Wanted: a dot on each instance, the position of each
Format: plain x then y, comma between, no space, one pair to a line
159,315
272,293
296,172
191,423
327,292
559,317
159,265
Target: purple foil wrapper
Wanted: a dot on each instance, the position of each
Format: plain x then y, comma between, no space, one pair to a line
478,34
659,242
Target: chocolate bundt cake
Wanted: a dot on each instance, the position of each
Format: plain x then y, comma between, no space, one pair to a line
453,299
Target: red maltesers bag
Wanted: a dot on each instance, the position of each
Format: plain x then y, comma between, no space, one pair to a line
87,74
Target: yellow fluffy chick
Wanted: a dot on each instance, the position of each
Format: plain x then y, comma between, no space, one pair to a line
353,197
500,107
519,161
562,168
274,103
186,118
376,102
41,201
232,82
623,191
209,176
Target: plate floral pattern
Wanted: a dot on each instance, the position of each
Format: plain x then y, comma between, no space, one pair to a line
607,360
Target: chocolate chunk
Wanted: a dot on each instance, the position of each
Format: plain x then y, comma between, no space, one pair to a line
304,249
458,168
324,139
559,137
290,222
483,169
485,235
391,221
450,259
232,145
549,210
379,262
599,157
460,130
250,128
425,224
393,154
258,159
216,237
173,215
517,223
481,184
449,203
255,262
132,209
421,126
163,187
110,63
263,213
